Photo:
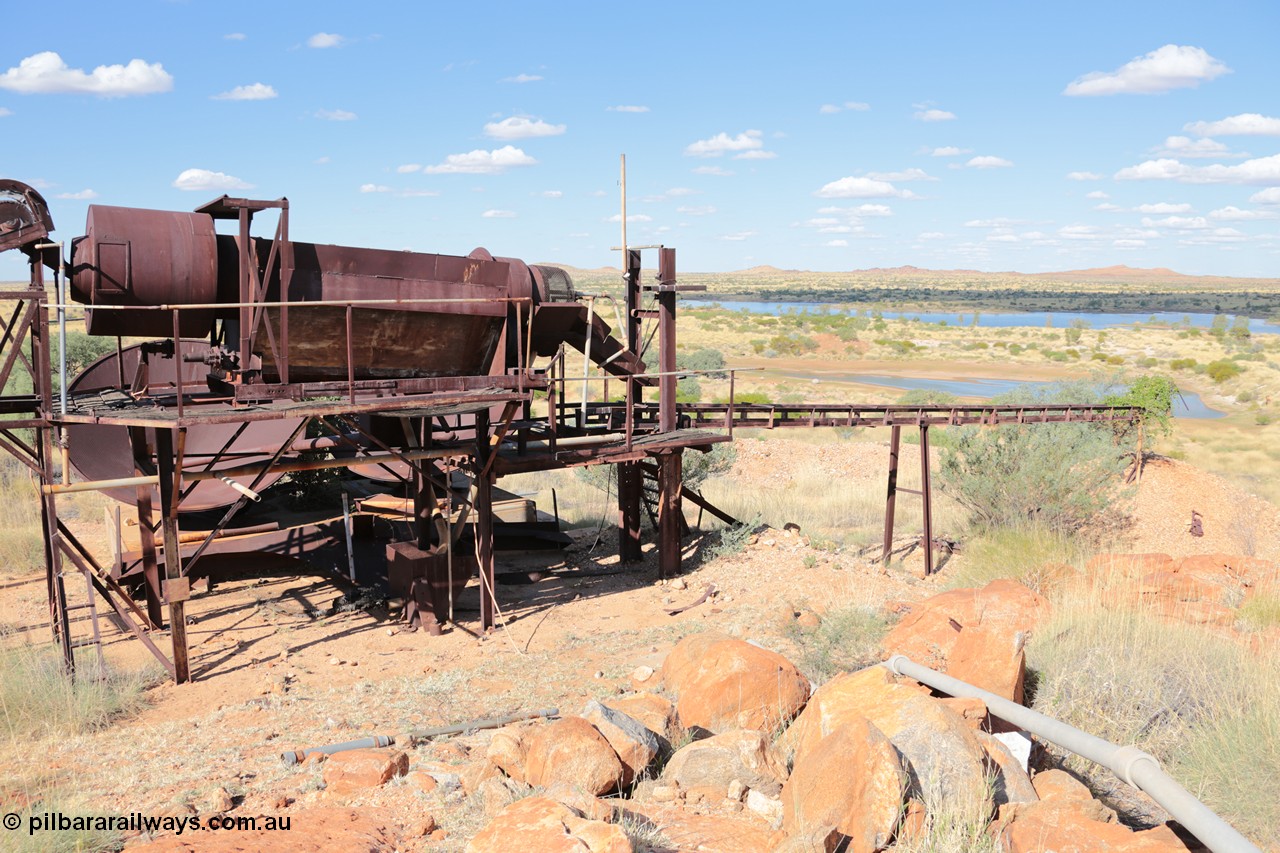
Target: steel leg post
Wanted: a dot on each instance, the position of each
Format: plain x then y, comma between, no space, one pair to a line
891,497
926,492
629,490
670,513
150,566
176,586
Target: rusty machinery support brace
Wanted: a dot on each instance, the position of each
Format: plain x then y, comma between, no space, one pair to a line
484,521
630,482
177,589
925,492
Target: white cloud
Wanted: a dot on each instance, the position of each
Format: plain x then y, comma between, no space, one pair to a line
235,37
703,210
1230,213
1267,196
1163,207
481,162
930,235
723,143
831,109
418,193
46,74
1003,238
83,195
677,192
712,170
1080,232
1083,176
320,161
322,40
1263,170
1097,194
950,151
834,244
852,187
904,175
523,78
988,162
631,217
628,109
756,155
205,181
1180,223
874,210
738,236
4,112
1245,124
1107,207
552,194
998,222
935,115
252,92
335,115
1128,244
1166,68
1185,146
499,214
409,168
1214,237
519,127
374,188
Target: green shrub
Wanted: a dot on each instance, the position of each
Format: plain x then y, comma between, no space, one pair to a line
699,467
708,361
1056,476
1223,369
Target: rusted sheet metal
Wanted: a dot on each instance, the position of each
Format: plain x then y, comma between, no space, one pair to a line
24,215
101,451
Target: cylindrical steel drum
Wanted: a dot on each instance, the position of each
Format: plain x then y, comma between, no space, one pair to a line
134,257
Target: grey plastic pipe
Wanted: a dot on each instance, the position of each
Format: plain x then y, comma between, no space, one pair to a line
1135,767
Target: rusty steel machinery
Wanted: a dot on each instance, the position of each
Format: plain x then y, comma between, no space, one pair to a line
287,317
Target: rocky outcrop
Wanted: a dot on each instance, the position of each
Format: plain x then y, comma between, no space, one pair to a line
853,780
357,770
942,754
542,824
573,752
976,635
723,683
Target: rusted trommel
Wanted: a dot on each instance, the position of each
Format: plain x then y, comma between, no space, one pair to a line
448,317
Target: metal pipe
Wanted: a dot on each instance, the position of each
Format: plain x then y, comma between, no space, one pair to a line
95,485
1135,767
374,742
489,723
320,464
318,303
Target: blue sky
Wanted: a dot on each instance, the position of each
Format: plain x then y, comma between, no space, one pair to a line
994,136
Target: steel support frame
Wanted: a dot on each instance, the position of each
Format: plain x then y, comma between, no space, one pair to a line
925,492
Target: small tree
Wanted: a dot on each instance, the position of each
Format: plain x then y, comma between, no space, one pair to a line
1152,399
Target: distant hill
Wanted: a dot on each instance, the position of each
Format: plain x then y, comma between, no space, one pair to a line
1116,273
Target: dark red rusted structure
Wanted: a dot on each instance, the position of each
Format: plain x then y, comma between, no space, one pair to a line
270,357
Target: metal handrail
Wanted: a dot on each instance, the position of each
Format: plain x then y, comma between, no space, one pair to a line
1136,768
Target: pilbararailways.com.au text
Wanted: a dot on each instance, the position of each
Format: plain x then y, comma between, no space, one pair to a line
138,822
